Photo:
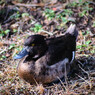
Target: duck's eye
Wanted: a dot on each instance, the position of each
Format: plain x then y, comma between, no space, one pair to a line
33,44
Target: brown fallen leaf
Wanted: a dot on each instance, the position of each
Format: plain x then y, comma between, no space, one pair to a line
7,54
1,44
40,89
14,26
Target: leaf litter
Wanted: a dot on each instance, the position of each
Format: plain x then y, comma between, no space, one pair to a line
21,20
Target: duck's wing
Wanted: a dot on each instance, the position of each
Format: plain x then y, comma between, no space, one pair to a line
55,40
61,51
62,47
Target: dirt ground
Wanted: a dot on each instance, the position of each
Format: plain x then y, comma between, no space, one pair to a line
19,20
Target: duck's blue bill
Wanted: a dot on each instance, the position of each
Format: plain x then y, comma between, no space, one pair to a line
21,54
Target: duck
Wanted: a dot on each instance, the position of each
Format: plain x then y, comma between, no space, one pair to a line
44,60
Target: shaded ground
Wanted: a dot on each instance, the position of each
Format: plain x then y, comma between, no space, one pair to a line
19,21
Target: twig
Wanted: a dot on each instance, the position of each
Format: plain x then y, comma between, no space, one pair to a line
3,51
61,11
47,32
80,63
30,5
84,71
91,2
84,80
62,83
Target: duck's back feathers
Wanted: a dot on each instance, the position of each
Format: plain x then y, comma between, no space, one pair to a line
63,46
61,50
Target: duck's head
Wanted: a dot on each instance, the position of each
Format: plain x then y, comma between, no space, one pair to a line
34,46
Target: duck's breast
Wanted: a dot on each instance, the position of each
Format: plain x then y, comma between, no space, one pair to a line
25,71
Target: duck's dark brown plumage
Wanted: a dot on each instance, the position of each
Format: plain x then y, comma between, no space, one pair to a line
47,59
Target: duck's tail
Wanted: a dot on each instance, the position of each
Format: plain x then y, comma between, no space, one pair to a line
72,30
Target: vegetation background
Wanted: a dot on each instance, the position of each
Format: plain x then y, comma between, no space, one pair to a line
21,18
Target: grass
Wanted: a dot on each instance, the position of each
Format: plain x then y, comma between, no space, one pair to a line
12,84
11,42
